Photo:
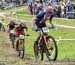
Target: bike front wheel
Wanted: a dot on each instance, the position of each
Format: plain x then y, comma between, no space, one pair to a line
21,49
52,50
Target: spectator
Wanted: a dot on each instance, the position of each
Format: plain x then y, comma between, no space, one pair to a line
40,7
62,10
31,7
69,6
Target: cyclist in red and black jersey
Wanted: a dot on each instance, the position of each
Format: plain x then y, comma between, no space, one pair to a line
11,25
20,30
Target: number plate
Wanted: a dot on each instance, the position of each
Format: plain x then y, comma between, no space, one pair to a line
45,29
12,31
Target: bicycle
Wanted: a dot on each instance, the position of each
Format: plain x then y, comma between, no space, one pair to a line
12,37
20,46
2,28
41,48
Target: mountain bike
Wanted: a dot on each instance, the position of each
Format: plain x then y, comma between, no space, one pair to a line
40,48
20,46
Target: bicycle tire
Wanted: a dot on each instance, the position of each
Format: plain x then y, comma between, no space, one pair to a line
12,39
47,51
36,50
21,51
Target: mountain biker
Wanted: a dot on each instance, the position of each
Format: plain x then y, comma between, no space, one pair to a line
11,25
19,31
40,22
26,32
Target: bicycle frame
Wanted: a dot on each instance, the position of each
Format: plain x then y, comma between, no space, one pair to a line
41,40
43,34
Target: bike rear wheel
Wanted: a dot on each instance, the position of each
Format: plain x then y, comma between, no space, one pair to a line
12,39
38,51
52,50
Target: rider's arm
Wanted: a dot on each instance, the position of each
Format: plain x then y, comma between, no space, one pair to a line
33,21
50,19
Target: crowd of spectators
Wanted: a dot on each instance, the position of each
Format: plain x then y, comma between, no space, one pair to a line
5,4
60,8
36,6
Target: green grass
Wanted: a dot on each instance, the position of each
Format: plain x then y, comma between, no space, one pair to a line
5,20
24,11
64,22
66,50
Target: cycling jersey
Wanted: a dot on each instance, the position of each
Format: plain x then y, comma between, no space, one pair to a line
20,30
39,17
11,25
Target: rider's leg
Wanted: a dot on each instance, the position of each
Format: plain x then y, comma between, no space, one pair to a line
46,41
38,36
0,26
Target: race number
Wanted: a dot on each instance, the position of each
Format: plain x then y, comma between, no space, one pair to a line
12,31
45,29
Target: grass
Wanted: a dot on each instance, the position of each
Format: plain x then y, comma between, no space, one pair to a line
24,11
66,50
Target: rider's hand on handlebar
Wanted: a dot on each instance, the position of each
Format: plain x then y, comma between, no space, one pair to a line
34,28
53,26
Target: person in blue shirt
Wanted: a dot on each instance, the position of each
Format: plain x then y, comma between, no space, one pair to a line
69,6
41,19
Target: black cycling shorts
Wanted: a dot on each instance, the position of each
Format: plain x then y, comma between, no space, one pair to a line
40,26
